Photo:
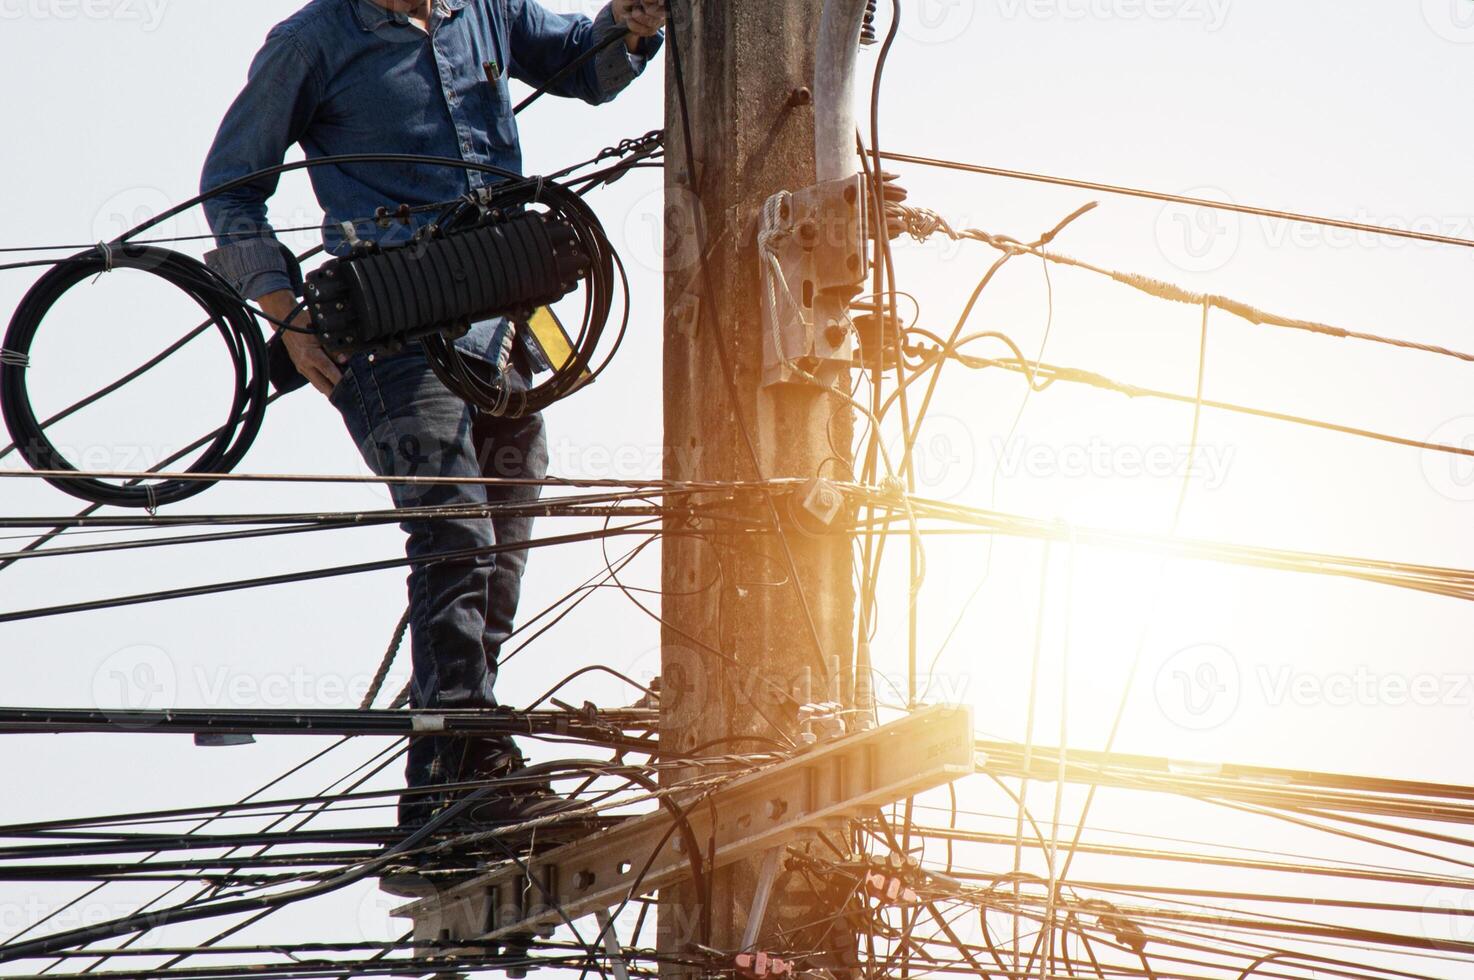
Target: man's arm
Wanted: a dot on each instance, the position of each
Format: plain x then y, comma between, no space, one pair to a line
270,114
543,43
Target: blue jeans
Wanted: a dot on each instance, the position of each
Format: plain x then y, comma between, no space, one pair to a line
407,423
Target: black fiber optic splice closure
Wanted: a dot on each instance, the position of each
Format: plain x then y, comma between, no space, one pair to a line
376,299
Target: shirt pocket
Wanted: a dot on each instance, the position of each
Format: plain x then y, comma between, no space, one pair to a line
502,123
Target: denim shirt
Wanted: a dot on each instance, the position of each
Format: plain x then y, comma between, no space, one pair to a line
348,76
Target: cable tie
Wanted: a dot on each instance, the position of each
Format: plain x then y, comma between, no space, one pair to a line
107,260
537,194
14,358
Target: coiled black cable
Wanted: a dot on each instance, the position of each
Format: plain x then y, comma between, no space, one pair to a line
236,321
478,384
236,324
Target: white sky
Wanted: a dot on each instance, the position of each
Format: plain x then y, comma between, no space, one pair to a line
1346,109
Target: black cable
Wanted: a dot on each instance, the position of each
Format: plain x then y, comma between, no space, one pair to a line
569,69
236,320
305,576
219,301
169,916
484,387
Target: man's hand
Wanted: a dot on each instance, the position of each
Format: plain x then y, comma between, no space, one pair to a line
642,18
305,350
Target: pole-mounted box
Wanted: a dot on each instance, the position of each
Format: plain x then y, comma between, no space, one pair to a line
813,261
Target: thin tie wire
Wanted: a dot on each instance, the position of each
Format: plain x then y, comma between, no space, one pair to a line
107,260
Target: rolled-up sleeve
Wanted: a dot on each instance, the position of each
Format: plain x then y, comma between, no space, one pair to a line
543,43
269,115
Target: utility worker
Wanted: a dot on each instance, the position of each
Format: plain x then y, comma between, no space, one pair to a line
430,78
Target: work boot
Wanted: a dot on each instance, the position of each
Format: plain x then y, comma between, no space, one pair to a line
424,874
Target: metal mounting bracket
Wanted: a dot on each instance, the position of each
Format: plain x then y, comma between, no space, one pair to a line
763,811
813,261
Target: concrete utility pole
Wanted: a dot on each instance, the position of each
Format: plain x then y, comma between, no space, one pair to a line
749,72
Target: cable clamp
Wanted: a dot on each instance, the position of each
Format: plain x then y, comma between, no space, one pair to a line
820,721
761,965
14,358
889,889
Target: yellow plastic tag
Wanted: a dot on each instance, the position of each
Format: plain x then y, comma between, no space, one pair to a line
552,339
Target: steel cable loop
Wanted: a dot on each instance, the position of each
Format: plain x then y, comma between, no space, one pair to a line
237,328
